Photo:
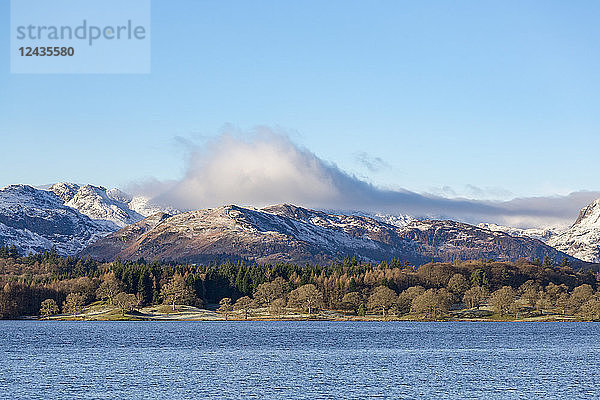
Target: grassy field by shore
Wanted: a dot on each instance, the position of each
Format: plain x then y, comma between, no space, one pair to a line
101,311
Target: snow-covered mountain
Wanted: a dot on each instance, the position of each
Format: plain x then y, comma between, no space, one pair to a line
110,207
582,240
35,220
543,234
73,217
144,206
399,220
65,215
284,232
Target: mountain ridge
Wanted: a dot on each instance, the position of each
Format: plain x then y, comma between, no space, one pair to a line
288,233
582,239
65,216
72,217
35,220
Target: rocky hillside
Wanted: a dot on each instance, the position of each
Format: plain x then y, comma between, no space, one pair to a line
582,240
450,240
536,233
66,216
290,233
35,220
73,217
105,206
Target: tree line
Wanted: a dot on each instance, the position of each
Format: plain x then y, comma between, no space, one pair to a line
46,284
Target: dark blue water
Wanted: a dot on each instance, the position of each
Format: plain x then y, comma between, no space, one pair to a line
303,360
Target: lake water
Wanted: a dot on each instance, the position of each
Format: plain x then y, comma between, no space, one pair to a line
302,360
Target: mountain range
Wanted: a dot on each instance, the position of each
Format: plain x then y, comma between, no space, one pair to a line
65,216
581,240
92,221
287,233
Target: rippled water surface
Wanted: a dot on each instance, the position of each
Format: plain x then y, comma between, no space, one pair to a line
302,360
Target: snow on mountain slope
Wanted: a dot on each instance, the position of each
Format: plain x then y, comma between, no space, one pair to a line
536,233
450,240
284,232
66,215
112,207
109,207
273,234
71,217
399,220
64,190
124,239
582,240
36,220
145,207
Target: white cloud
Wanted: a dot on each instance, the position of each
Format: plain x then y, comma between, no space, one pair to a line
264,167
473,192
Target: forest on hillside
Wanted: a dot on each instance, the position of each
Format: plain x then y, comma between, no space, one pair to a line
46,284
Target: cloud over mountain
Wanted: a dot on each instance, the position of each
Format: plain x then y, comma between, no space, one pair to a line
266,167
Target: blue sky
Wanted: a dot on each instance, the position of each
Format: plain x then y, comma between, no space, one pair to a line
488,100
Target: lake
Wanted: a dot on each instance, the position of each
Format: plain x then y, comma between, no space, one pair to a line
302,360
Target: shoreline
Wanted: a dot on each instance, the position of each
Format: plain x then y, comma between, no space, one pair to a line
135,318
101,311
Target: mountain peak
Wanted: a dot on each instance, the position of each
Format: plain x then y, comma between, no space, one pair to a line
291,211
582,239
97,203
66,215
590,214
18,188
35,220
64,190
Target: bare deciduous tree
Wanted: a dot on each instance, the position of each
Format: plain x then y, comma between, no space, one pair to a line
581,295
176,291
503,300
351,301
109,288
458,285
434,303
244,304
277,306
74,303
406,298
126,302
382,299
306,297
475,296
48,308
225,307
267,292
590,310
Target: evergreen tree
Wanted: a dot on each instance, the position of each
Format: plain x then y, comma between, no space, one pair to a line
13,252
479,278
145,288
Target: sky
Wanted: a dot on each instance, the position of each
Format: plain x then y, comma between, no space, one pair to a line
486,101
